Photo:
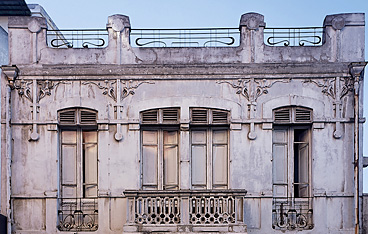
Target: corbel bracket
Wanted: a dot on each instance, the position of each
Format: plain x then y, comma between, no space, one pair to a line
11,72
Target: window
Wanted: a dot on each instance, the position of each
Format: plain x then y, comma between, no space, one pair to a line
291,152
209,148
160,149
78,170
291,167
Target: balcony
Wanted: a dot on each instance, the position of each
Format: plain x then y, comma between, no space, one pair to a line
78,214
292,214
185,211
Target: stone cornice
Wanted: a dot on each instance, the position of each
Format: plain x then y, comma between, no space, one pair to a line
186,71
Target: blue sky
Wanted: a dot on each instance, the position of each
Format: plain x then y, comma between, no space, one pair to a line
68,14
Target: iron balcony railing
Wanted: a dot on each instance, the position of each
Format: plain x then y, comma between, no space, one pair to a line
185,207
292,213
194,37
77,38
78,214
305,36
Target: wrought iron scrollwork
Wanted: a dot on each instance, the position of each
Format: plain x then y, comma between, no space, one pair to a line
292,214
196,37
78,214
82,38
294,36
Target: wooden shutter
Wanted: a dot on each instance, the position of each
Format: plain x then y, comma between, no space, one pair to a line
219,117
199,158
170,158
69,164
150,116
279,162
149,158
219,158
303,115
67,117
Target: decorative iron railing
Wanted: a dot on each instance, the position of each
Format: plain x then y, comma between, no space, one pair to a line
185,207
78,214
77,38
194,37
292,213
306,36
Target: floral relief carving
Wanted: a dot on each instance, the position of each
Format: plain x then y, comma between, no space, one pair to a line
108,87
129,87
252,89
45,88
327,85
24,89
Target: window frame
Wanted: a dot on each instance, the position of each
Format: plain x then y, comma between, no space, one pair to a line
209,157
291,126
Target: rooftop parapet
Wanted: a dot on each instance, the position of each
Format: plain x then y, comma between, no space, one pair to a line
341,39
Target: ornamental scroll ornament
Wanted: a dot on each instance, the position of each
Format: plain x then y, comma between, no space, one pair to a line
335,88
24,89
46,86
252,89
109,88
118,90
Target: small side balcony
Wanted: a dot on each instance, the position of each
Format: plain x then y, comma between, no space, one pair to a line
185,211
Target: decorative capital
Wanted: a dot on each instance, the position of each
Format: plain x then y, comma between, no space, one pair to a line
11,73
252,21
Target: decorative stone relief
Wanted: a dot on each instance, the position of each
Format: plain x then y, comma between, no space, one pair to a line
335,88
109,88
252,89
24,89
118,90
46,86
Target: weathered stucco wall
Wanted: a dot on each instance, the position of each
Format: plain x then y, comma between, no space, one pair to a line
249,81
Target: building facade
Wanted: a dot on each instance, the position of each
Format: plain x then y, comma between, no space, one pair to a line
251,138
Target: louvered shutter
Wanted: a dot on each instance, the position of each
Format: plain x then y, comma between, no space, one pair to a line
88,117
219,117
170,115
302,115
199,116
282,116
150,116
67,117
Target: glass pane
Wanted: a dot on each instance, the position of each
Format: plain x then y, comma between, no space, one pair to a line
199,137
90,137
219,165
90,170
170,137
199,162
219,137
303,170
68,165
69,137
149,165
149,137
170,165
